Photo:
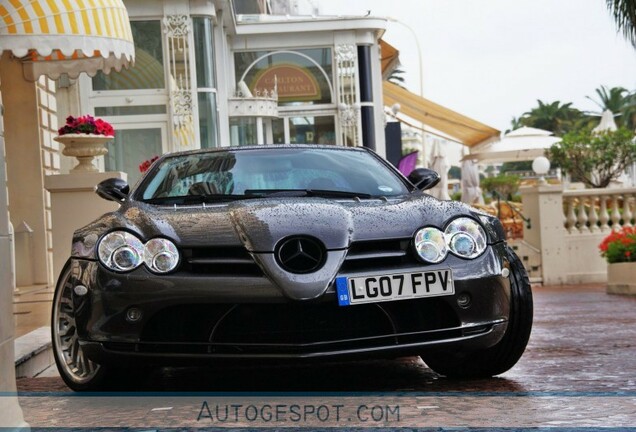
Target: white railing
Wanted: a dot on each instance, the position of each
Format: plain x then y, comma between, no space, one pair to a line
598,210
568,226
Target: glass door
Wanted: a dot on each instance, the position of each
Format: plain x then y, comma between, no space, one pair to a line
304,129
135,143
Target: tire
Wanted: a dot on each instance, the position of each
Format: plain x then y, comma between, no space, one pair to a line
504,355
76,369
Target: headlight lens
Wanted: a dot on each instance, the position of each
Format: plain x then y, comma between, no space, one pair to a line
430,245
161,255
463,237
122,251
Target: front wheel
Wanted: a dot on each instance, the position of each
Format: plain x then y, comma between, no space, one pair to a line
76,369
505,354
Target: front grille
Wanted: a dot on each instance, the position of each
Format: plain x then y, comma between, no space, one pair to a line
219,261
236,260
368,255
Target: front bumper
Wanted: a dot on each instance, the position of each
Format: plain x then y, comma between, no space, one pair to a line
188,317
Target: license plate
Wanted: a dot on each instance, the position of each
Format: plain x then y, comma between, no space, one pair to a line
398,286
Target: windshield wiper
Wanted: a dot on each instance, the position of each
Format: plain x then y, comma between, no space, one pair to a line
195,199
337,194
282,193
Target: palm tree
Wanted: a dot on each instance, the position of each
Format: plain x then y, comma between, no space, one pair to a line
555,117
624,12
629,111
612,99
396,77
515,123
619,101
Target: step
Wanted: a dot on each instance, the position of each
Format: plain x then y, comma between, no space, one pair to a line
33,353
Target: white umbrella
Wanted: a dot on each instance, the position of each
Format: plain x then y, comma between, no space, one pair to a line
525,143
440,165
471,192
607,123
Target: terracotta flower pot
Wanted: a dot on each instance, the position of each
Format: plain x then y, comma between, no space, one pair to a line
621,278
84,147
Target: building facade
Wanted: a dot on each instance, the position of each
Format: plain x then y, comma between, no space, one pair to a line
223,73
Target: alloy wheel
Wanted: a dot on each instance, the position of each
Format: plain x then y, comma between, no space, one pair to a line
70,358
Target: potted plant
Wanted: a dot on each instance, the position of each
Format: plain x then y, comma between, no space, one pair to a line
85,137
619,249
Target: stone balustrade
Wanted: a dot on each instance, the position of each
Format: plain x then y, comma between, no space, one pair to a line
568,226
598,210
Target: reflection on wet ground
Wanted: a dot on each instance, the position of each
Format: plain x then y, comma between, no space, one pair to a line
401,375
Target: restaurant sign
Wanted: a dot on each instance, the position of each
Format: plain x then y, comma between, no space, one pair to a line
294,83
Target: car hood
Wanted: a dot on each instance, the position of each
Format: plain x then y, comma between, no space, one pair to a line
260,224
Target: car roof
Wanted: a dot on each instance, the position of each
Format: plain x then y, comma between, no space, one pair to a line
269,147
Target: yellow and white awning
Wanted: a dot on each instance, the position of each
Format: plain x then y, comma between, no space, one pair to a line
51,36
456,126
389,58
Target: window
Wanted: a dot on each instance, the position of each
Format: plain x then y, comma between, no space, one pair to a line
131,147
302,77
206,81
304,130
148,71
243,131
303,80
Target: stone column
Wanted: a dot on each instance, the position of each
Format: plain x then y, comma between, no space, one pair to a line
10,411
74,204
543,204
24,159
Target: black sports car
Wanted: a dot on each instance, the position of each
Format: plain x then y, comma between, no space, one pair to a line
287,252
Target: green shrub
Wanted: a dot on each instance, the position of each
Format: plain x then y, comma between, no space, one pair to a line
505,185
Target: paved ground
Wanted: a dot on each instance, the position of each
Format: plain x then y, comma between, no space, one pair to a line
579,370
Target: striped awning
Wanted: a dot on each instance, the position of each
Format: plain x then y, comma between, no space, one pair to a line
454,125
389,58
54,37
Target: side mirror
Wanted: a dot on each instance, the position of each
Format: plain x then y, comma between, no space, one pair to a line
424,178
113,189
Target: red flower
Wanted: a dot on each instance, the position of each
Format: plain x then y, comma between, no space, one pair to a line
86,125
145,165
619,245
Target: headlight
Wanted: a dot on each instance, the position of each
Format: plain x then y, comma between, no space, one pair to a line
430,245
161,255
120,251
463,237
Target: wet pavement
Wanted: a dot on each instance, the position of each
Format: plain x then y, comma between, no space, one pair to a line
579,370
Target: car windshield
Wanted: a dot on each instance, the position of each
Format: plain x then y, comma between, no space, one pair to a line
248,173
